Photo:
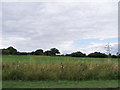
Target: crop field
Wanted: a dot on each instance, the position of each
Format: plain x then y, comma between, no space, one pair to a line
44,68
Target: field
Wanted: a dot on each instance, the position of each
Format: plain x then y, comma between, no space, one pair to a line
64,70
61,84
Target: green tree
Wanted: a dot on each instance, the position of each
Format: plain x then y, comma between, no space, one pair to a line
48,53
97,55
38,52
118,55
5,52
11,51
54,51
77,54
114,56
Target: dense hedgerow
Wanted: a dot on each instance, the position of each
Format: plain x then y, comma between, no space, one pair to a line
78,70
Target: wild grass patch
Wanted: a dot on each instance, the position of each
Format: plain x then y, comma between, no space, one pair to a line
64,70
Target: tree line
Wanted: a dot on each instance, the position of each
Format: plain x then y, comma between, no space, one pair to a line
13,51
55,52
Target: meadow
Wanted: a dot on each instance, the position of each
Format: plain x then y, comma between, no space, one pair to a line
55,68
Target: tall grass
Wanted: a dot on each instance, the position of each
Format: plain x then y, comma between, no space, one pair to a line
65,70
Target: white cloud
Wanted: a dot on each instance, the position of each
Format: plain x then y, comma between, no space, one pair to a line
101,47
28,26
59,0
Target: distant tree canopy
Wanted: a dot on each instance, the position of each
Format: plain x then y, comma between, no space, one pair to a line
113,56
97,55
13,51
10,51
23,53
53,52
37,52
77,54
118,55
48,53
5,52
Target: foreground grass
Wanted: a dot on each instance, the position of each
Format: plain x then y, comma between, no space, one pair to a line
61,71
58,68
61,84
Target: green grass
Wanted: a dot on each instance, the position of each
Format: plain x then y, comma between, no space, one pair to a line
46,72
50,59
61,84
39,69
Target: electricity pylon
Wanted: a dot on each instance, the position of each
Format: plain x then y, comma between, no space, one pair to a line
108,49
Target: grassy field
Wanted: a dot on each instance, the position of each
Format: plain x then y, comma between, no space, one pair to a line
64,70
50,59
61,84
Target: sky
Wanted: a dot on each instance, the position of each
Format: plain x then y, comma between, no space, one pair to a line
67,26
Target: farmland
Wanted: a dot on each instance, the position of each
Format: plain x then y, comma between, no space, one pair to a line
49,68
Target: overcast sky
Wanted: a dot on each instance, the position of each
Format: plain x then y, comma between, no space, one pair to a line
68,26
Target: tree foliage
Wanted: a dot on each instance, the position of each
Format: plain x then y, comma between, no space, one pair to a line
48,53
77,54
53,52
38,52
97,55
9,51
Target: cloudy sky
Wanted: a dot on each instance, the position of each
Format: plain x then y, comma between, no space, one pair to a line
68,26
